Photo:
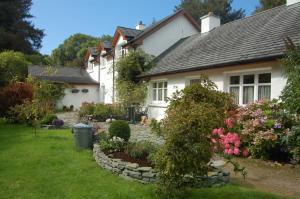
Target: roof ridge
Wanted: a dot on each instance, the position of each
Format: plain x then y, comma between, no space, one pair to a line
128,28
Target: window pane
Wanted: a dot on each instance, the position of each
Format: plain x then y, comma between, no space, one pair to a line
160,84
248,79
165,84
165,94
154,85
194,81
248,94
160,94
234,80
264,78
236,92
264,92
154,94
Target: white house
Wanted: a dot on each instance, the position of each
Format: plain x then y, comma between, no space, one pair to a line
81,87
241,57
153,40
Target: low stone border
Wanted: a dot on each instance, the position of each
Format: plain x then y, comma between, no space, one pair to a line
133,171
124,169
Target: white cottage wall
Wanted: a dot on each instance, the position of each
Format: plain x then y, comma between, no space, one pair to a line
220,77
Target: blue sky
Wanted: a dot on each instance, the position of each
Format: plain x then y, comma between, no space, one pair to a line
62,18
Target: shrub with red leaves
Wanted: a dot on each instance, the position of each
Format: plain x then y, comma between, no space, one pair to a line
14,94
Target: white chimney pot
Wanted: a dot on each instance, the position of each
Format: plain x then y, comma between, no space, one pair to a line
290,2
209,22
140,26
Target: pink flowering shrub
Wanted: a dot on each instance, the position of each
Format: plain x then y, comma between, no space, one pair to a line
227,141
263,128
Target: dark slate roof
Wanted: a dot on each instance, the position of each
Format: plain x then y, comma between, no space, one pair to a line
107,44
129,32
71,75
258,37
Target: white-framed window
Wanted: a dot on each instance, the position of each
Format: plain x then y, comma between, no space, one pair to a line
159,91
250,87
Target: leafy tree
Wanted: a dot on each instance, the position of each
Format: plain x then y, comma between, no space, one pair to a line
13,66
16,30
73,49
291,66
190,117
222,8
268,4
130,89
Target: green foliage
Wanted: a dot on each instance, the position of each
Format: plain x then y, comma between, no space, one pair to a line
16,29
30,112
130,89
13,67
101,112
47,93
131,93
268,4
119,128
47,120
199,8
14,94
291,66
293,142
141,149
86,109
191,116
73,50
156,127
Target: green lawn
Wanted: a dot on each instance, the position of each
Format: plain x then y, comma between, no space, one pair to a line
47,166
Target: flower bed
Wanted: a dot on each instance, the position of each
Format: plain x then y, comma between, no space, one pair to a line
125,169
146,174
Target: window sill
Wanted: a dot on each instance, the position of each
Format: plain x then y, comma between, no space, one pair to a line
158,105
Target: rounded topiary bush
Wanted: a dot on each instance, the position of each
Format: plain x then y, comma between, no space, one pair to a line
119,128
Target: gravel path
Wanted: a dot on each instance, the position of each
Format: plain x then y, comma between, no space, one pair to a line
266,176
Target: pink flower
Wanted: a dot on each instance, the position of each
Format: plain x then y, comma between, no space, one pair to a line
236,151
220,131
213,140
229,123
230,152
227,146
215,131
237,143
226,151
245,152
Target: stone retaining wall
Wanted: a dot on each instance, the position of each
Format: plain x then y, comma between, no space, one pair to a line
147,175
124,169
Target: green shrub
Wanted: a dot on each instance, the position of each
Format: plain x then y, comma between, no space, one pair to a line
48,119
101,112
156,127
293,142
119,128
141,149
86,109
190,117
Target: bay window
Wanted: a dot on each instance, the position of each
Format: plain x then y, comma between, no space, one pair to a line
159,91
250,87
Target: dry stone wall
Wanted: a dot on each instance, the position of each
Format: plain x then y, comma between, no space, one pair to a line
124,169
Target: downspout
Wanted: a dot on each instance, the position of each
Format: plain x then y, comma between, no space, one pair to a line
113,90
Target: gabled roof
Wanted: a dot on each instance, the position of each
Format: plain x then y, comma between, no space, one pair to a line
255,38
136,36
126,33
71,75
91,51
156,26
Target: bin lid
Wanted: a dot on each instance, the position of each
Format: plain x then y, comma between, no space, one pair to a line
81,125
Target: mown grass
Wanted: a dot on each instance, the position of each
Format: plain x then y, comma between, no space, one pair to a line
48,166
